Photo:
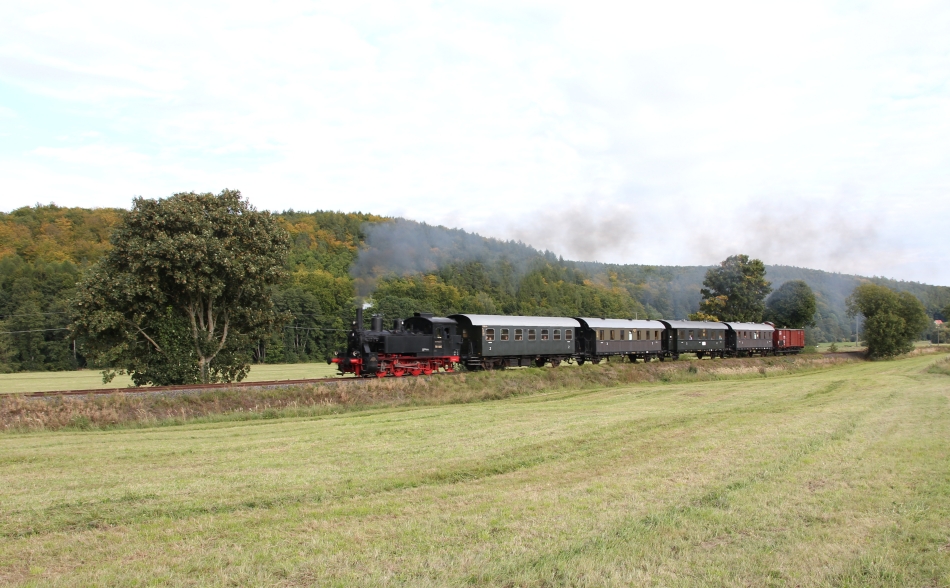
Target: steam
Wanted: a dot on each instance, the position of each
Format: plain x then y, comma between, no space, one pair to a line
808,236
584,231
405,247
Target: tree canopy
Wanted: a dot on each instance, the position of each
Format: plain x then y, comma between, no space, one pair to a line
792,305
736,290
185,290
893,320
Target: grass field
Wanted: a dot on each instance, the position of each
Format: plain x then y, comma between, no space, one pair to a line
91,379
833,477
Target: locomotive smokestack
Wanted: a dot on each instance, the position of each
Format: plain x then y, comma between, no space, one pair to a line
397,324
359,317
377,322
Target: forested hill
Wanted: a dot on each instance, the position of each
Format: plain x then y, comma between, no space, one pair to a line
398,265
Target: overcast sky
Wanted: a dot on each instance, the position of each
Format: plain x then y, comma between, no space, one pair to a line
804,133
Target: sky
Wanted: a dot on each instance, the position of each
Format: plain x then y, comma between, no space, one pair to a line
804,133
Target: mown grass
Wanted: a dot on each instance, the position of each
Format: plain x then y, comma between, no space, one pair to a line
92,379
820,477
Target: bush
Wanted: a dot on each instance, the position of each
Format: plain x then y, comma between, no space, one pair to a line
893,321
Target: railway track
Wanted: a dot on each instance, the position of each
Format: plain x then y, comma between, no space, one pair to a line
184,388
192,387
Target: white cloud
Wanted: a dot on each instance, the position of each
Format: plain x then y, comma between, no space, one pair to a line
502,117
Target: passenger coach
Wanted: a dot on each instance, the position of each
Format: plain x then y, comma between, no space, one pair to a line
749,338
699,337
494,341
636,339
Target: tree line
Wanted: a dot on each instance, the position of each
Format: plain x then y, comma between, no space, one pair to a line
207,285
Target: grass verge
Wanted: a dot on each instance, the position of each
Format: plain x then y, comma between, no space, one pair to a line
150,409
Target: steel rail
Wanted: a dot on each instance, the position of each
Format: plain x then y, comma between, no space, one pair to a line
190,387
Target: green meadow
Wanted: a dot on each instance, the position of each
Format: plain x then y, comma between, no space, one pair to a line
837,476
91,379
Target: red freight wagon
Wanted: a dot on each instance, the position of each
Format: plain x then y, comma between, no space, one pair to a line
788,340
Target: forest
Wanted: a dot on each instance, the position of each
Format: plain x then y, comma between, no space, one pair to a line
338,260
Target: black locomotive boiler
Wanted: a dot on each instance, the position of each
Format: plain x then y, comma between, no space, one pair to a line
421,344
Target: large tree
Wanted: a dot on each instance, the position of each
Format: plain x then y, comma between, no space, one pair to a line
736,290
185,290
893,320
792,305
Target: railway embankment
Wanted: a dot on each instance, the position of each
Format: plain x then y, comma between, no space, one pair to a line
136,409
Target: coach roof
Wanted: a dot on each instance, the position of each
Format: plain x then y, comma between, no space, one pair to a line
492,320
599,323
696,325
750,326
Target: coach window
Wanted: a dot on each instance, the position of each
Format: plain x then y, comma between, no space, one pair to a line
544,334
519,335
532,334
504,334
690,334
612,338
568,333
557,334
601,335
489,334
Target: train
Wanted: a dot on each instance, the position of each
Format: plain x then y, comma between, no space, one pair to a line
424,344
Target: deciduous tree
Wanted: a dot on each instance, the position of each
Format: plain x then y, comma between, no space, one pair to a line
792,305
736,290
184,291
892,320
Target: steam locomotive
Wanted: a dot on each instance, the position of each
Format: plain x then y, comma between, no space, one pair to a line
423,344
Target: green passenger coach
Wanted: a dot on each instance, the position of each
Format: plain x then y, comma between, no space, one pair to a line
635,339
705,339
493,341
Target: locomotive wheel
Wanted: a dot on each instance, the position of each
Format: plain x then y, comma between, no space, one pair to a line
380,374
415,372
427,371
399,373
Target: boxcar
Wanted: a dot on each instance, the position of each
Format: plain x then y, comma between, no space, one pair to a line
749,339
699,337
493,341
786,341
636,339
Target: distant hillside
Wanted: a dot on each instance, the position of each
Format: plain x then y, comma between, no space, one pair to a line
405,247
401,266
